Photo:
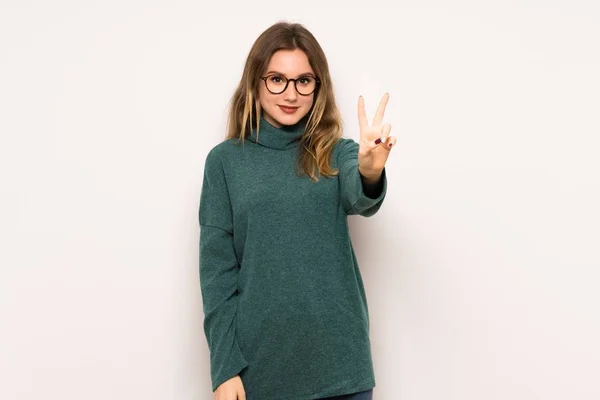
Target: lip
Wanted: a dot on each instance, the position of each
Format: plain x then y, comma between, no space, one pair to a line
289,110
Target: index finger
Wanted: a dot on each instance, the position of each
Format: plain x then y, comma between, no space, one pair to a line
362,115
381,109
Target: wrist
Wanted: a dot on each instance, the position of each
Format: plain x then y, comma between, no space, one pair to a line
371,176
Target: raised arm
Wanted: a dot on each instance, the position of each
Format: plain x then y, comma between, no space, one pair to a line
358,196
363,181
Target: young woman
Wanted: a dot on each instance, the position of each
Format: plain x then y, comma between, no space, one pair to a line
286,314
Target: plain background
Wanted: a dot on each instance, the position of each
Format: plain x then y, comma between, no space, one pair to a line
481,268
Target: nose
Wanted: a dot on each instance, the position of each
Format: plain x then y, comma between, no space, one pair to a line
290,92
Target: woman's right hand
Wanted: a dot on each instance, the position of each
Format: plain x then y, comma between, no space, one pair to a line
231,389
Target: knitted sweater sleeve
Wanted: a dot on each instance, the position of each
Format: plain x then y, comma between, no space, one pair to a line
219,270
357,197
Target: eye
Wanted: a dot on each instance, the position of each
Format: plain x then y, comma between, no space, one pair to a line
275,78
305,80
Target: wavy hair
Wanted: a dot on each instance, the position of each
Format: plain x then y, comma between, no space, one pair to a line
324,124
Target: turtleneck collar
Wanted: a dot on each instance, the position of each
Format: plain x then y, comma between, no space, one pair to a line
286,137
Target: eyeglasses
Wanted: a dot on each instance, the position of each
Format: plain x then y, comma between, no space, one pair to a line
304,85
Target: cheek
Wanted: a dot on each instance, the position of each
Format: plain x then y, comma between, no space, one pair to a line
265,97
262,102
309,102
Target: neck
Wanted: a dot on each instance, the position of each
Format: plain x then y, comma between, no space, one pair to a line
284,137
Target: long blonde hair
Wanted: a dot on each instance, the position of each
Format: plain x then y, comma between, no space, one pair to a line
324,125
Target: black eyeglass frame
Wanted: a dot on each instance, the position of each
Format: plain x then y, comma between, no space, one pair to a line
317,83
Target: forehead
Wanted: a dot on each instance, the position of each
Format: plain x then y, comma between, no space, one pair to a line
289,62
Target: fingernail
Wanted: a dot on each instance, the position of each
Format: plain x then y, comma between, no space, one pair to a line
378,141
389,145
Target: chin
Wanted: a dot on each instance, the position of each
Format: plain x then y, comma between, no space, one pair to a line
289,119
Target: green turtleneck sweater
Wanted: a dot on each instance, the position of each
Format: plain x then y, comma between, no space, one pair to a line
284,302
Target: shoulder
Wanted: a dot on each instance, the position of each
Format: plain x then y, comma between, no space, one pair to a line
345,144
220,153
345,148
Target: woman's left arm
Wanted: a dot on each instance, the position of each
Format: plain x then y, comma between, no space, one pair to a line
375,143
363,181
359,195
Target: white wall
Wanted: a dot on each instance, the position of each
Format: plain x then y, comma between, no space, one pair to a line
482,267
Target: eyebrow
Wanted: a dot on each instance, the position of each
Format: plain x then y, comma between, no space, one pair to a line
281,73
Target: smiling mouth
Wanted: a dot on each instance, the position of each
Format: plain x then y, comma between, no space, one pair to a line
289,108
